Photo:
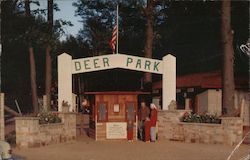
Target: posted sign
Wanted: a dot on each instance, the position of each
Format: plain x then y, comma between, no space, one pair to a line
68,66
116,61
116,130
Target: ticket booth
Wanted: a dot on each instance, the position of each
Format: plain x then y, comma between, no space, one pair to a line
110,112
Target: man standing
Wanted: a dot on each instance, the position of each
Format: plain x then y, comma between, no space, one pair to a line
153,120
142,115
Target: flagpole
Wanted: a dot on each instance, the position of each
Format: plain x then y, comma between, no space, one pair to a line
117,22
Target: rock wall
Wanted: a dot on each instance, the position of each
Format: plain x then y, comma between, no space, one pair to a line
230,131
29,133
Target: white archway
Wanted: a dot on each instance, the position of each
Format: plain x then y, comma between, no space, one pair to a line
68,66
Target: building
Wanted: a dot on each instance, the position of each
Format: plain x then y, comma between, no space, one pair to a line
110,112
201,92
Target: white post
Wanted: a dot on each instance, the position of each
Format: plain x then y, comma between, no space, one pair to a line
187,103
168,81
45,105
2,116
64,80
117,22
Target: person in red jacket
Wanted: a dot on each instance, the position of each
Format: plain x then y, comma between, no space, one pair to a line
130,128
147,125
153,120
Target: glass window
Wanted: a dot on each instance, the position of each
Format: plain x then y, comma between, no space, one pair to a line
131,111
102,112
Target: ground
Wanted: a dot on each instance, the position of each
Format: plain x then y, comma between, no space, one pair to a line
88,149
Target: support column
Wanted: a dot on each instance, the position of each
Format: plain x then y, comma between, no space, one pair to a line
2,116
64,80
168,81
45,105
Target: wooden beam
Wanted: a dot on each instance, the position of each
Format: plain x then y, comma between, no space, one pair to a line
11,111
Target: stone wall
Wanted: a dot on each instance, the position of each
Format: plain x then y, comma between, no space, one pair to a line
2,116
29,133
167,121
230,131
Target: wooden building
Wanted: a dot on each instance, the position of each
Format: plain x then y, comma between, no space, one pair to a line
110,113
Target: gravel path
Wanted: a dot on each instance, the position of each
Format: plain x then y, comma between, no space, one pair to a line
87,149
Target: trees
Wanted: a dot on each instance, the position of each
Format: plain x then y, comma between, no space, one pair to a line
32,65
228,59
48,64
98,18
148,46
25,37
189,30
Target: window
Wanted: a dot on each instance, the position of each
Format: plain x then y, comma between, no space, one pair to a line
130,111
102,113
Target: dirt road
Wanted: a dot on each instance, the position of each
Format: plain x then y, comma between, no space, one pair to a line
87,149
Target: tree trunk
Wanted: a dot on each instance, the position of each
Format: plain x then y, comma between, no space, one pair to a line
228,60
149,40
32,67
48,67
27,7
50,15
48,78
33,80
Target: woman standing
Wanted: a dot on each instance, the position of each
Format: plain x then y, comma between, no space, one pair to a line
147,126
153,120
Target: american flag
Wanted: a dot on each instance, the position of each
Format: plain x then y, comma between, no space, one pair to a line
113,40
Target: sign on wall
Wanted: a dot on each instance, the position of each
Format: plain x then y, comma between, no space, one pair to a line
116,130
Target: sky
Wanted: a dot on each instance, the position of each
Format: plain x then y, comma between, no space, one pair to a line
67,12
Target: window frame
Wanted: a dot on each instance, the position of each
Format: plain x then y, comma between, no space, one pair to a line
97,111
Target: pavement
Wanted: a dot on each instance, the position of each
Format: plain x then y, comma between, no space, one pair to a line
85,148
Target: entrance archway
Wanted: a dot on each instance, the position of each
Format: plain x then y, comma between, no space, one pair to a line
68,66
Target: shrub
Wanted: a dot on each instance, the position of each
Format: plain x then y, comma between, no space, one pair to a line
203,118
48,117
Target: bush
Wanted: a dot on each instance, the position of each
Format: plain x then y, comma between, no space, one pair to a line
48,117
204,118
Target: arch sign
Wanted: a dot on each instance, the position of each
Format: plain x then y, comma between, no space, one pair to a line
68,66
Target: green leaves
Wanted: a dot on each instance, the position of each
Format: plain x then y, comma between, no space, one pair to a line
203,118
49,117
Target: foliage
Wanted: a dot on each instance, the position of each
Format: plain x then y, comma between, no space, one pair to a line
49,117
189,30
203,118
17,32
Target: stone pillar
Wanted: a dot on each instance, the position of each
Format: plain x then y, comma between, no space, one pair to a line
168,81
45,105
168,122
187,103
64,80
27,131
2,116
69,121
233,130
